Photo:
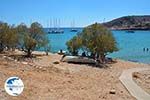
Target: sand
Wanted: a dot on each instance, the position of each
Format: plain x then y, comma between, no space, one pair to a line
45,80
143,79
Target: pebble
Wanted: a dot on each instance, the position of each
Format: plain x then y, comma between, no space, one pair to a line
40,67
4,56
121,91
112,91
9,58
56,62
25,63
2,90
44,69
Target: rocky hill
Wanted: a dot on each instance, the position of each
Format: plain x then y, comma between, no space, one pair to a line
130,23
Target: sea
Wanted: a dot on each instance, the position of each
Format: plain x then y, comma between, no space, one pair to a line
131,45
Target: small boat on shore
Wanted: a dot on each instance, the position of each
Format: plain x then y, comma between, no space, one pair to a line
79,60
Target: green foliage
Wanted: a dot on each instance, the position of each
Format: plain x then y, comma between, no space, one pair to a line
22,30
32,38
29,42
8,37
22,37
73,45
95,38
12,38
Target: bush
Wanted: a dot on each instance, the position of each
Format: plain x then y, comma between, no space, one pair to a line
32,38
96,39
22,37
8,37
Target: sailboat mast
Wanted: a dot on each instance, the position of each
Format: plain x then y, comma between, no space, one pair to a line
59,23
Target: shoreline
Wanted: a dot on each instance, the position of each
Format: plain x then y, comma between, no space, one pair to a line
43,53
55,53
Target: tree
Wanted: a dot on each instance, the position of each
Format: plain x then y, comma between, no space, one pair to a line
22,37
3,33
8,36
47,46
105,44
99,40
22,29
31,38
74,45
11,38
96,39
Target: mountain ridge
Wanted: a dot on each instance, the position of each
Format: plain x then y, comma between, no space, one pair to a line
140,22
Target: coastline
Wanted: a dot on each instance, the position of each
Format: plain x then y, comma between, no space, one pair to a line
126,29
43,53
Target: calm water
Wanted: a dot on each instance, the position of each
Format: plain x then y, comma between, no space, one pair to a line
130,44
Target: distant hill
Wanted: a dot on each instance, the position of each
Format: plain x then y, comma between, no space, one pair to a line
130,23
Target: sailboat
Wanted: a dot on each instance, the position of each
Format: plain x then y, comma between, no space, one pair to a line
56,29
73,29
49,24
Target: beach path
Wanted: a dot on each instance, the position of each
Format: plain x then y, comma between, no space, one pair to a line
132,87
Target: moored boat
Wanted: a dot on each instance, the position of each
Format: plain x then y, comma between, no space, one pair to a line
130,31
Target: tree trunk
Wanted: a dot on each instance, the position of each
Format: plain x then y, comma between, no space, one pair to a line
1,47
28,53
102,58
75,53
46,53
93,55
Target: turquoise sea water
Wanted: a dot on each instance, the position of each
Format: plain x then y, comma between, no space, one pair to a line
130,44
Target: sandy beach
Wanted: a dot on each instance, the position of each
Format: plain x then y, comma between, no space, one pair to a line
44,79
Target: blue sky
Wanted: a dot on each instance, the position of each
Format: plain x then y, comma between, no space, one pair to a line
84,12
